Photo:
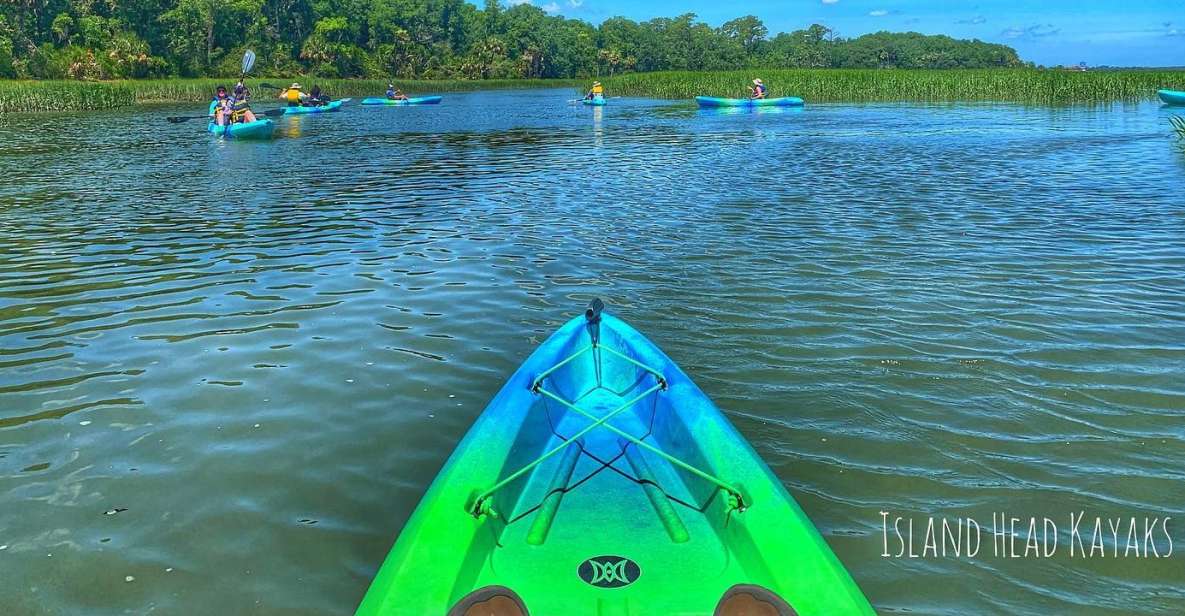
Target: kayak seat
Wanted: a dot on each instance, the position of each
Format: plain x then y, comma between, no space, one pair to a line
751,600
490,601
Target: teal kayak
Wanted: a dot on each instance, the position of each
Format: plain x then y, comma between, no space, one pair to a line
596,101
601,480
259,129
333,106
709,101
1171,97
422,100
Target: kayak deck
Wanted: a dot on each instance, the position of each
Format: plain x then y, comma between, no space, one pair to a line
600,480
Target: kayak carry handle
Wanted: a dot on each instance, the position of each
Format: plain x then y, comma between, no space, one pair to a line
593,315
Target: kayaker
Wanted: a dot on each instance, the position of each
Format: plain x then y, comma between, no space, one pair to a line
316,98
240,106
220,106
757,90
395,94
597,90
293,95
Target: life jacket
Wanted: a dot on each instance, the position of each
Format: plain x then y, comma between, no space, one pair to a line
760,90
390,93
293,96
598,90
238,107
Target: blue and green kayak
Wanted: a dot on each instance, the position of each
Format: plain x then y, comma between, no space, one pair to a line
1171,97
259,129
710,101
422,100
601,480
596,101
333,106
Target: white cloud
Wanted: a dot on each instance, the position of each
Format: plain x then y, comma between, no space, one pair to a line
1031,32
517,2
575,3
830,1
878,13
551,7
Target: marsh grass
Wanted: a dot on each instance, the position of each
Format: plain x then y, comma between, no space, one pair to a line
1178,125
1031,86
78,95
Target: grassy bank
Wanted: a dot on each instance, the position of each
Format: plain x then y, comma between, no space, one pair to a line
18,96
1041,87
1038,87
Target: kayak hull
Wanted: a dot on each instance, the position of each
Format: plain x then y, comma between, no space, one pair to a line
604,524
421,100
1171,97
596,101
333,106
711,101
260,129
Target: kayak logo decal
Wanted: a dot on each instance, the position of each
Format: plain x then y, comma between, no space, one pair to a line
609,571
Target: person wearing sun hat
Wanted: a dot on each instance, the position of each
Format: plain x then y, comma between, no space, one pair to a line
293,95
597,91
757,89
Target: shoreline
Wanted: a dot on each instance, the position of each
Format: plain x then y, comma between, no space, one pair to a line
1028,86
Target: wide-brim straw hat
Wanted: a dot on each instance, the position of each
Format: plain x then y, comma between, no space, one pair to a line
758,82
294,86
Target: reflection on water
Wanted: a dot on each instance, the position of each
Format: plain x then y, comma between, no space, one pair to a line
258,354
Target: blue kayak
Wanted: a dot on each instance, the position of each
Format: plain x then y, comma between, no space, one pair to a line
596,101
1171,97
259,129
711,101
422,100
334,106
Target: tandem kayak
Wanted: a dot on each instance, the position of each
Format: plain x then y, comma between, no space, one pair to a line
422,100
333,106
596,101
1171,97
259,129
710,101
601,480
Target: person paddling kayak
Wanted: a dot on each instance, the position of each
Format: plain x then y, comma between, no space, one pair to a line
240,106
395,94
757,90
316,98
597,90
293,95
220,106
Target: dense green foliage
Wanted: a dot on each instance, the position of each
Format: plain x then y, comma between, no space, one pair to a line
433,39
1036,86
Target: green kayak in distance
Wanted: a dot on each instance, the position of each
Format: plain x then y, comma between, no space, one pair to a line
421,100
711,101
1171,97
333,106
259,129
601,480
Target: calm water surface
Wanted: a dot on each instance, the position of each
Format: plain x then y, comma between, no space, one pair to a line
265,351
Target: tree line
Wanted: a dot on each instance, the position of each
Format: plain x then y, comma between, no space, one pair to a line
430,39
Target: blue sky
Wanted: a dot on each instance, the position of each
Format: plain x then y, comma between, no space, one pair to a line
1050,32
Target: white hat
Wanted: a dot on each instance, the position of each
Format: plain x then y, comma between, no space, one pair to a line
294,86
757,81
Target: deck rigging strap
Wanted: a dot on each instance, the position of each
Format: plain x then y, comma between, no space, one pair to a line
482,506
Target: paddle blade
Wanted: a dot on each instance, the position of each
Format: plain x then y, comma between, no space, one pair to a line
272,113
180,119
248,61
